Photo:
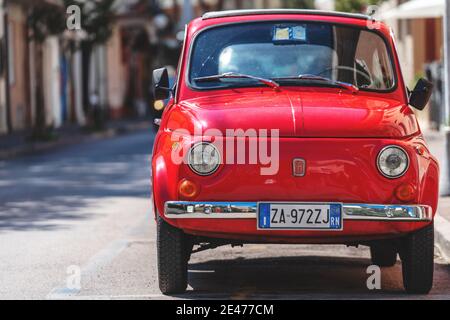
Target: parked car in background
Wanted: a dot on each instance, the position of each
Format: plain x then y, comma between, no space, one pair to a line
324,93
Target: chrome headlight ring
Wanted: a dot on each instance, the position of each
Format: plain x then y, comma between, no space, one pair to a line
392,161
204,158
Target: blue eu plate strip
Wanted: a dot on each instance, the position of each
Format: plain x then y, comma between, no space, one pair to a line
264,215
335,216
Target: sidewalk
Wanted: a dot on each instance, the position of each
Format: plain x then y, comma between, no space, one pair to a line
442,227
437,144
18,143
438,147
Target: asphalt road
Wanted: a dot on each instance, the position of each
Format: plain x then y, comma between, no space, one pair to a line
76,223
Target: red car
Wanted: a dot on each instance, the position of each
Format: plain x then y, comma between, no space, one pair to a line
292,126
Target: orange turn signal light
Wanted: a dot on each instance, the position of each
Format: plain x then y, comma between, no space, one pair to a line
420,150
405,192
188,189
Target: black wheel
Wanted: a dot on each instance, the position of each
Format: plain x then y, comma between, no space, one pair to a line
383,255
418,261
174,248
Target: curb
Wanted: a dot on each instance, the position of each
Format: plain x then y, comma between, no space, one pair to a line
31,148
442,236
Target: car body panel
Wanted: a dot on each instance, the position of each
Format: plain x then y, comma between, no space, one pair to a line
295,113
337,132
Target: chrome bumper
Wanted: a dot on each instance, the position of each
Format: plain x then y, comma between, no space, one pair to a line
248,210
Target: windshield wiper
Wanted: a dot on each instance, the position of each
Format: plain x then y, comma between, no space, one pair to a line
233,75
345,85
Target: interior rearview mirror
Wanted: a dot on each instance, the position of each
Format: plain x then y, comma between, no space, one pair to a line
161,90
421,94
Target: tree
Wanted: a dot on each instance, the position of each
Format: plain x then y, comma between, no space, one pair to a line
218,6
43,20
96,20
298,4
46,19
355,6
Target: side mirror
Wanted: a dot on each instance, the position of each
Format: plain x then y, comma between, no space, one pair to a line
161,90
421,94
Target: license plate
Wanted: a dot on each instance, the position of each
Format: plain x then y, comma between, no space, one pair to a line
301,216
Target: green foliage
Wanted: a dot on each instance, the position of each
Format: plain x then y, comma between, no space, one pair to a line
355,6
417,77
96,18
298,4
45,20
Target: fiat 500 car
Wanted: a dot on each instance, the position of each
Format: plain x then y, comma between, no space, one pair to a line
292,127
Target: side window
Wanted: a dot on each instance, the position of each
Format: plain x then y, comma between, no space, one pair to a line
377,70
372,62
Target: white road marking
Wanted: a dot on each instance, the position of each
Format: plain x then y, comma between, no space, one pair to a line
103,258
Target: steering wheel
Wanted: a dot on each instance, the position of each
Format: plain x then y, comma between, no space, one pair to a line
364,75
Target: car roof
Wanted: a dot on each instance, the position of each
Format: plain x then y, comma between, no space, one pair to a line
235,13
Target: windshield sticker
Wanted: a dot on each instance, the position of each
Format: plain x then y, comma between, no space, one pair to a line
289,34
299,33
281,34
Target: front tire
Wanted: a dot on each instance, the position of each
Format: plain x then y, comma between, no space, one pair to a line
418,261
173,249
383,255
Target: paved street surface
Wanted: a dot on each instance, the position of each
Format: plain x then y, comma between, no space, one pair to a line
86,207
438,146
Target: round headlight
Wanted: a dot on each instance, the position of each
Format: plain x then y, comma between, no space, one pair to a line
204,158
392,161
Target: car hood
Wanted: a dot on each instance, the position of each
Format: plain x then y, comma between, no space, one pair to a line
297,114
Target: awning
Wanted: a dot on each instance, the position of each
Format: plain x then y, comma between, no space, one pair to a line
416,9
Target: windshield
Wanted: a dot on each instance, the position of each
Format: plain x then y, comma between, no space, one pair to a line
285,51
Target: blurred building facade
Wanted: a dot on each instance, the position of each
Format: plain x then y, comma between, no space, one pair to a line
418,27
19,70
15,109
113,77
60,81
69,79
